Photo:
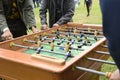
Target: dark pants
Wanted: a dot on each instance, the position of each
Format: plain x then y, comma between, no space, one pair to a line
17,28
111,27
88,5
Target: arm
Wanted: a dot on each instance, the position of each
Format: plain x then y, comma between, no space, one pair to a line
28,15
69,6
43,11
4,30
3,23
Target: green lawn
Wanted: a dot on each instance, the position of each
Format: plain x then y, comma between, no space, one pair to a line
80,17
95,14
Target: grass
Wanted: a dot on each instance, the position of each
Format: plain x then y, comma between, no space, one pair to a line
95,14
80,17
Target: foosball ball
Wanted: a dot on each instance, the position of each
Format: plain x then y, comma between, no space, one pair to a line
69,52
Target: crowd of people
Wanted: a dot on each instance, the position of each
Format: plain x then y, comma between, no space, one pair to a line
17,16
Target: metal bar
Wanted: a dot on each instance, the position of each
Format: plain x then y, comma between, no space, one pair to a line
105,46
84,29
90,70
102,61
31,41
27,47
21,46
64,47
79,34
101,52
56,53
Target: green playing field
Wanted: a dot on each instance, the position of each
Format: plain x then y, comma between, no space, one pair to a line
60,49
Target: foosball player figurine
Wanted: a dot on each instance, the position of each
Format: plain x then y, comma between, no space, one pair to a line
39,50
39,43
67,47
53,38
36,37
84,43
81,35
71,42
80,46
78,38
44,34
95,38
43,39
69,33
40,37
72,30
57,36
68,54
52,45
86,39
89,29
62,40
75,30
68,37
95,35
69,30
57,32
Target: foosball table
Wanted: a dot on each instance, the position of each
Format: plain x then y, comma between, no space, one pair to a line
70,52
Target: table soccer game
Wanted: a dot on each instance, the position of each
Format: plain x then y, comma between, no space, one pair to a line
74,50
59,40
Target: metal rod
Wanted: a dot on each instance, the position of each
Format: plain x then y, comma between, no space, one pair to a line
21,46
27,47
102,61
105,46
84,29
101,52
79,34
64,47
31,41
88,44
56,53
90,70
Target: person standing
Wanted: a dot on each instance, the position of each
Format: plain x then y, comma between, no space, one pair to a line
16,17
111,27
60,12
88,4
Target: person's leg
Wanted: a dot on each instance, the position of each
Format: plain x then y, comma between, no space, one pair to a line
111,29
87,7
